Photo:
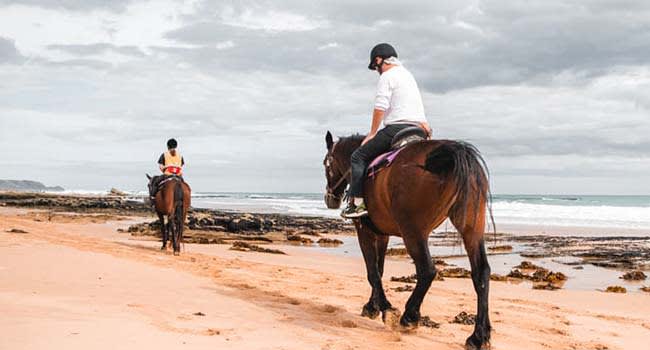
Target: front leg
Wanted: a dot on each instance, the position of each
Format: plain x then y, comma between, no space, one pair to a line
378,301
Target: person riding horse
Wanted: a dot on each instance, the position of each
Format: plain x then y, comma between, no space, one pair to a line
398,105
171,165
170,195
171,162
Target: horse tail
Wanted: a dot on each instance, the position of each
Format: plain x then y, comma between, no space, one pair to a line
178,207
462,163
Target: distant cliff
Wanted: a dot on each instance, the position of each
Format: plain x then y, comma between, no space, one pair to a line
26,186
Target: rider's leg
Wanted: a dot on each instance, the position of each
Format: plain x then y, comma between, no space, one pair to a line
359,164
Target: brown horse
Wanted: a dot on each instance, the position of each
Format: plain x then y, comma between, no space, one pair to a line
171,199
427,182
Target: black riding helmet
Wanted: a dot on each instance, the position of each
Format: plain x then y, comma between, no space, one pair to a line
171,143
382,50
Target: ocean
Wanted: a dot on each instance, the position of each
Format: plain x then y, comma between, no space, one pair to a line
564,211
619,212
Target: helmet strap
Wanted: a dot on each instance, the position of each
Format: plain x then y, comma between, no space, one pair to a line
380,67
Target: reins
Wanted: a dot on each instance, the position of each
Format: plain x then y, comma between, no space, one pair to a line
330,190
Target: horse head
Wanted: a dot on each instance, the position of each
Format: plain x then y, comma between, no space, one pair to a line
150,185
337,167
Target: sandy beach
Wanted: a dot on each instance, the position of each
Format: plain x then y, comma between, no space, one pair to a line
78,283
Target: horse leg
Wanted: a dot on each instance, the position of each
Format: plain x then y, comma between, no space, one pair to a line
418,248
382,245
163,231
172,229
179,234
475,247
378,301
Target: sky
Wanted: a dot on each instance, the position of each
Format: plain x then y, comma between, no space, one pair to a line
555,93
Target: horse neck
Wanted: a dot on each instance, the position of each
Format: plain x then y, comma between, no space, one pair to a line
344,151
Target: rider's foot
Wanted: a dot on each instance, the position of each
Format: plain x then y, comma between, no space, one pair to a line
354,211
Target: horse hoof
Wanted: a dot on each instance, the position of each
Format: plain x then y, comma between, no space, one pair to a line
177,253
391,317
408,325
369,312
472,343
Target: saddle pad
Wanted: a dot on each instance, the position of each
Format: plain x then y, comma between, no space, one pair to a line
382,161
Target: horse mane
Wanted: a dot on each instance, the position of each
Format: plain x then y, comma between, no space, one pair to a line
349,144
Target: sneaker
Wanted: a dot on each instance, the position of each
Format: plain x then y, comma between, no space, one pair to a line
353,211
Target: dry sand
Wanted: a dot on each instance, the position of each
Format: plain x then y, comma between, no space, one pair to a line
81,285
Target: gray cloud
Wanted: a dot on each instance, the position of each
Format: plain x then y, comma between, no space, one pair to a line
98,48
450,46
553,88
8,52
73,5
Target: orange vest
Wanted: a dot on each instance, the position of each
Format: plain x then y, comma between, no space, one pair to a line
173,164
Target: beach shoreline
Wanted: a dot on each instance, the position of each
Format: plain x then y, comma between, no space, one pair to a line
107,282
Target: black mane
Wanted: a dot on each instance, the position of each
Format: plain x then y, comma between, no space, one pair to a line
348,144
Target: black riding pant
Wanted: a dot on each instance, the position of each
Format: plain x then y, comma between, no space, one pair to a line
362,157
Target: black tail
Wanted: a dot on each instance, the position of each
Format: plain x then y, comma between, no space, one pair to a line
462,162
178,210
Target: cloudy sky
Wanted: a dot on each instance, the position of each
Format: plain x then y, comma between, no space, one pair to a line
555,93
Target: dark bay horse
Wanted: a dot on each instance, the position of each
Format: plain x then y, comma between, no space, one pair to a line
171,201
427,182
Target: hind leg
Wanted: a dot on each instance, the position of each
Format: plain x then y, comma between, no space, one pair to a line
179,235
369,244
172,232
472,234
163,231
418,248
481,279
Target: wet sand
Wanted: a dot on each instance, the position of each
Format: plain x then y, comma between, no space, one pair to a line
80,284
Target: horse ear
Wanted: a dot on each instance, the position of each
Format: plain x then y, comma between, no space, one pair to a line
329,140
148,176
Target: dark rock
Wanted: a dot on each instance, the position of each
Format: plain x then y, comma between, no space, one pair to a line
247,247
404,288
527,265
405,279
634,276
455,272
464,318
616,289
329,242
16,230
426,321
545,286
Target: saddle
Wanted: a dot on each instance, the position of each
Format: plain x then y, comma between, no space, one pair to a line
400,140
158,181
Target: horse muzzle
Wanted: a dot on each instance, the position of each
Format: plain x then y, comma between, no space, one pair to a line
332,201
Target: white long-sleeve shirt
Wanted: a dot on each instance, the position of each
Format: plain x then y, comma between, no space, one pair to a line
399,97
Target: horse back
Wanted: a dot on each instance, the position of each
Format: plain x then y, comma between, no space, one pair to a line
407,193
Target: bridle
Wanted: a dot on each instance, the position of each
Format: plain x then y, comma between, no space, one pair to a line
330,190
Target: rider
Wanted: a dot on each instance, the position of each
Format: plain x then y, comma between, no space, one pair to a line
171,165
398,105
171,162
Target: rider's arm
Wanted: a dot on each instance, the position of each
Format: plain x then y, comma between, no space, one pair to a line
377,117
382,103
161,162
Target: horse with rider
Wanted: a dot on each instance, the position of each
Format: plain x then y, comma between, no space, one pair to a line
402,183
170,196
